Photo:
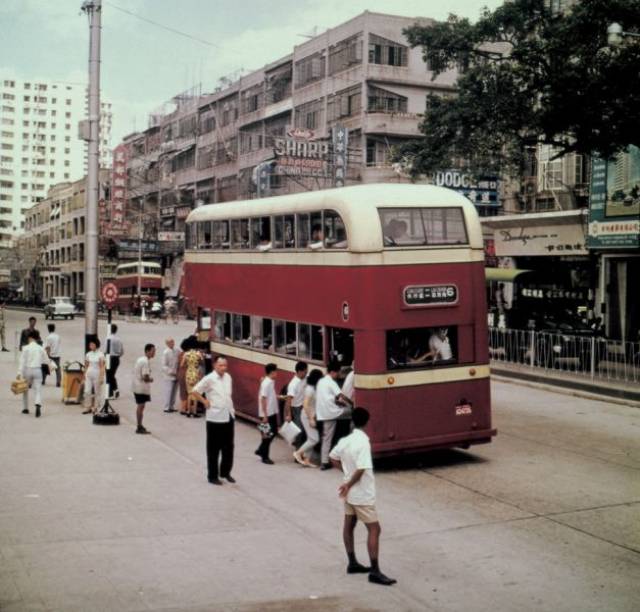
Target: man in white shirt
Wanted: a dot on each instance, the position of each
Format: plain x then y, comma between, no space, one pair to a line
330,403
2,327
142,384
115,350
221,416
268,411
352,455
295,399
348,385
32,359
439,347
52,346
170,374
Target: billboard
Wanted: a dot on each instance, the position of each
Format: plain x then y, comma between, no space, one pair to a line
614,206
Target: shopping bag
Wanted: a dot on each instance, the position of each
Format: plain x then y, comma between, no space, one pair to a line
19,386
290,431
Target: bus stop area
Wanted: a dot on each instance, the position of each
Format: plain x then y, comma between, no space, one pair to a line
91,518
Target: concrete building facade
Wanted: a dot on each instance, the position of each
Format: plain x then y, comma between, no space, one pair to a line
361,76
39,145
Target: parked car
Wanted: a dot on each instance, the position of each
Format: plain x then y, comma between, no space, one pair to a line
60,307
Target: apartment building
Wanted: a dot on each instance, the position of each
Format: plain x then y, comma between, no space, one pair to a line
39,145
278,123
52,247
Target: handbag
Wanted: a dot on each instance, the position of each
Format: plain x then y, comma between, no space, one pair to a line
19,386
290,431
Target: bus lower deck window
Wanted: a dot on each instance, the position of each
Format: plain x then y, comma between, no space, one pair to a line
422,346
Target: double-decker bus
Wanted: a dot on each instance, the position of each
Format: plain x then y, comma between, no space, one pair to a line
388,279
126,280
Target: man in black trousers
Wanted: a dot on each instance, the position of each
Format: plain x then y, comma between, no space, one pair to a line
214,391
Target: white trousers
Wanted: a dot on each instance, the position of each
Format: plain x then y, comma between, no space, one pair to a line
328,429
92,387
33,376
170,390
312,435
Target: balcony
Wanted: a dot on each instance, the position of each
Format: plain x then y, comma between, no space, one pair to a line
392,124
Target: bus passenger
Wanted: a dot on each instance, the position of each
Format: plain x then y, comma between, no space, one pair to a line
264,244
308,419
268,411
330,404
317,237
295,399
439,348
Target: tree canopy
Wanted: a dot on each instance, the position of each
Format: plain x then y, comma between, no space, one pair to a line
529,75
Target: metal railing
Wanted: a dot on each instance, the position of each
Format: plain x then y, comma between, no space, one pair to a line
589,356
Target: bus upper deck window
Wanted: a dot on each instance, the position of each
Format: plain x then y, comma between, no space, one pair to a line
220,235
422,226
240,234
316,239
284,232
335,232
204,235
261,233
303,230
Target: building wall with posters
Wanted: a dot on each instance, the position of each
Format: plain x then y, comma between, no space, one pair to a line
614,238
357,89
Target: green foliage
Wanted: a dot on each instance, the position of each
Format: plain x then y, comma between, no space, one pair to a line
530,76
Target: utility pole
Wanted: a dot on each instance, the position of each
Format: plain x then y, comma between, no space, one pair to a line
93,9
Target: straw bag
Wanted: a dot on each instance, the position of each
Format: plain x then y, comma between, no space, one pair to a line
19,386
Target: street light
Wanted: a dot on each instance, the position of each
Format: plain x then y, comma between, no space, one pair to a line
616,35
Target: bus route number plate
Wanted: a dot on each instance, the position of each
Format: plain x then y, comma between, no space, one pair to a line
430,295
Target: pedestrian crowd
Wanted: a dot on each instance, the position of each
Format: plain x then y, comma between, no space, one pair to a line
312,411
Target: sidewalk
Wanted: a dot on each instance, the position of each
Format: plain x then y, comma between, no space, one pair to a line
628,392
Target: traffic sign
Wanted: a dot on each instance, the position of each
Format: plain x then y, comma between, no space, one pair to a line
109,294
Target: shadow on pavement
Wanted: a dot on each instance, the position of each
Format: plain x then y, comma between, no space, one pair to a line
427,460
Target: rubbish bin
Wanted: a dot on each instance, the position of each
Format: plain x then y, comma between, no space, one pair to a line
72,382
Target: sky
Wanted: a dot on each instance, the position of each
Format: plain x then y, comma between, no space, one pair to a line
144,65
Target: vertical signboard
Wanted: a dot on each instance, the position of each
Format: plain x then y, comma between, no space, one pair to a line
614,206
340,138
118,190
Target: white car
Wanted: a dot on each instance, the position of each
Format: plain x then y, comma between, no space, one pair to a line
60,307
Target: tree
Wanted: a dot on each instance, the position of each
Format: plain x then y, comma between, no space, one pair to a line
530,75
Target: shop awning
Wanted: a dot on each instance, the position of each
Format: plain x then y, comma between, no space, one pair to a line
503,275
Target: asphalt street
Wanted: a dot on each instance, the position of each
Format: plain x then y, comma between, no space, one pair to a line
545,518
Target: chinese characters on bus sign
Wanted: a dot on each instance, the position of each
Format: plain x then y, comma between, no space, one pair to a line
430,295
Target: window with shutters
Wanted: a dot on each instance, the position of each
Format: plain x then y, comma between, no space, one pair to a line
387,52
310,69
345,54
310,115
345,103
384,101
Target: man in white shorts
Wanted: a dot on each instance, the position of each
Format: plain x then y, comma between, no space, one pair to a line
352,455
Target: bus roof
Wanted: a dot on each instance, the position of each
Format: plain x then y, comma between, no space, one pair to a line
358,206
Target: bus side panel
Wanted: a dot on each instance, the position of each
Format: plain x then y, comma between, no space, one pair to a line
421,417
246,377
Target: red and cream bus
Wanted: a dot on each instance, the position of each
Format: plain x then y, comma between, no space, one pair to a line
389,278
127,282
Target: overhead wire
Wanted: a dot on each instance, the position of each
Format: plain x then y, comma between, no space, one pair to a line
163,26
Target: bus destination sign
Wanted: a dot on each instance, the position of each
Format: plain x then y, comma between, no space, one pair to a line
430,295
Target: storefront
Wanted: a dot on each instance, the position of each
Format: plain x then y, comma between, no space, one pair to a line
558,287
614,237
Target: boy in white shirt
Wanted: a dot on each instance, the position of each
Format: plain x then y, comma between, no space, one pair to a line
352,455
268,411
32,358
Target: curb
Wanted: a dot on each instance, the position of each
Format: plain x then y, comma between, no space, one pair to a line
571,387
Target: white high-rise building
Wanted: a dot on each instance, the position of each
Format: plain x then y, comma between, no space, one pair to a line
39,144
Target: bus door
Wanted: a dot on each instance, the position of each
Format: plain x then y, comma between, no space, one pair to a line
340,349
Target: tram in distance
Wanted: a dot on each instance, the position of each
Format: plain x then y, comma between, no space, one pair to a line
388,279
127,282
